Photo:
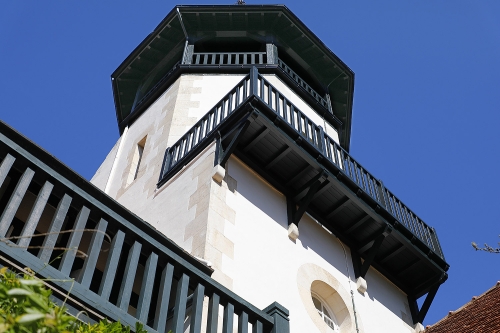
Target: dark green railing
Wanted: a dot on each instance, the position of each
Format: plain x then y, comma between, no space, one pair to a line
88,228
255,85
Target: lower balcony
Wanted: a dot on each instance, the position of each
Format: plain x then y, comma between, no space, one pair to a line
101,259
263,128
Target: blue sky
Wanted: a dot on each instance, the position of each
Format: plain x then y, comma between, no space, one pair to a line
426,102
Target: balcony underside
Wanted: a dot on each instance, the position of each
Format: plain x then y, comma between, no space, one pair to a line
291,164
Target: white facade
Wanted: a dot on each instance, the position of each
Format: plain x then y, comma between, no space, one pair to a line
240,224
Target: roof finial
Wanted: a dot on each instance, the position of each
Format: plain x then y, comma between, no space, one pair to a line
240,2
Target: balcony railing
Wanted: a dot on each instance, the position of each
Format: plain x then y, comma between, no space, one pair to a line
300,82
229,58
255,85
123,269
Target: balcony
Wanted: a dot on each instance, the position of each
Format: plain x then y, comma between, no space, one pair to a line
77,238
263,128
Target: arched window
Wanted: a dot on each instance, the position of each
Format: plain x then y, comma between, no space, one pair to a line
325,312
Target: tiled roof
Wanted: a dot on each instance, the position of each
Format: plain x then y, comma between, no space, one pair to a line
481,314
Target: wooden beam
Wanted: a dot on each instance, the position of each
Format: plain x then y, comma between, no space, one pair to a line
278,157
404,270
393,253
427,303
373,252
256,139
371,240
299,175
358,224
223,154
337,208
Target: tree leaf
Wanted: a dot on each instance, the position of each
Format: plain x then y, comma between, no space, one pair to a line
19,292
29,317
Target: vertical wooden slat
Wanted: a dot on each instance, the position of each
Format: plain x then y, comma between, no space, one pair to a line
74,241
15,200
213,313
257,327
197,309
55,226
148,280
243,322
128,280
93,254
34,216
227,320
163,297
109,274
7,163
180,304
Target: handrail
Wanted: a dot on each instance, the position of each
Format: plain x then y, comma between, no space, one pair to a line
313,134
165,271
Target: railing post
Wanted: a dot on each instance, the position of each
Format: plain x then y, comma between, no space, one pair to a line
280,315
381,189
187,57
166,162
271,54
329,102
254,77
321,141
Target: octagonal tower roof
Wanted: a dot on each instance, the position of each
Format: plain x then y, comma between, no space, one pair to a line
210,27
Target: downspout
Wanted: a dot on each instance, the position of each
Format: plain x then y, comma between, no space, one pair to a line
350,288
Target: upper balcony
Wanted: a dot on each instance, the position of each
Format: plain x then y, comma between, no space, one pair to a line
101,259
257,123
223,39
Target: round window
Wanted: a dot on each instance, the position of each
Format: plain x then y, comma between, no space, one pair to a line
325,313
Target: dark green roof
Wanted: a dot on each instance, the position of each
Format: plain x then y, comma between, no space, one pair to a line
223,24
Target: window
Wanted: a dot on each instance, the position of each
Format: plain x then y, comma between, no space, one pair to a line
136,161
325,312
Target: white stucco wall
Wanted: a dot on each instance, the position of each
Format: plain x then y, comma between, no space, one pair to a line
102,174
267,265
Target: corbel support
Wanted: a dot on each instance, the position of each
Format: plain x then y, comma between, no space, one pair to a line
418,315
226,145
371,247
297,203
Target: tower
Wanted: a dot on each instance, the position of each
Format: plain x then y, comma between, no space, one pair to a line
235,126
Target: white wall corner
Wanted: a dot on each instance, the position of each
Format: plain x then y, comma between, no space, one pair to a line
419,328
293,231
361,285
218,173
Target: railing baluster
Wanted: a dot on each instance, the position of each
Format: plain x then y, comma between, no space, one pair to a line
74,241
7,163
15,200
228,318
93,254
128,279
108,276
146,292
55,226
34,216
257,327
197,309
213,313
243,322
180,304
163,297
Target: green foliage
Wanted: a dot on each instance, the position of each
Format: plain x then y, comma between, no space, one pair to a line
25,307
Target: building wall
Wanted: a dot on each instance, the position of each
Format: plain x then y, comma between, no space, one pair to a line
240,224
265,265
